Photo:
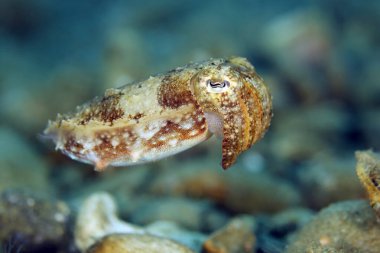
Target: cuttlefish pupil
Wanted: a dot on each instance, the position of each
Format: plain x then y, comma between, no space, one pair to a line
218,84
168,113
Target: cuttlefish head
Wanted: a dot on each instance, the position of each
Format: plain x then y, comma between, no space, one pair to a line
236,103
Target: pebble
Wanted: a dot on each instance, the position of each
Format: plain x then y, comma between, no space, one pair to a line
97,218
250,192
188,213
348,226
237,190
331,179
132,243
36,221
236,237
192,239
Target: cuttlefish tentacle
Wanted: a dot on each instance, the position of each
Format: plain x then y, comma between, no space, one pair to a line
169,113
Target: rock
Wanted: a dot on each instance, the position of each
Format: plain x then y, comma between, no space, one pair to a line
20,165
10,245
126,185
294,129
275,232
199,180
330,179
301,44
132,243
348,226
36,221
192,239
118,182
282,226
191,214
97,218
237,189
236,237
251,192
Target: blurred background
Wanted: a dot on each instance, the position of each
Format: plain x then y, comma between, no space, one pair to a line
321,60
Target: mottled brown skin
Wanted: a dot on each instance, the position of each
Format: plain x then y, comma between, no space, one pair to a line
169,113
174,90
106,109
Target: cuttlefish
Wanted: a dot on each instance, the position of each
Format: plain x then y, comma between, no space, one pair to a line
168,113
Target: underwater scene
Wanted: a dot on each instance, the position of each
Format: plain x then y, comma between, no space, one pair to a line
189,126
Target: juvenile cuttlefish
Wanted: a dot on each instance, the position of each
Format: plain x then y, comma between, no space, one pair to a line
168,113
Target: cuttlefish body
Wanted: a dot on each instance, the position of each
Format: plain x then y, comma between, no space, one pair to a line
169,113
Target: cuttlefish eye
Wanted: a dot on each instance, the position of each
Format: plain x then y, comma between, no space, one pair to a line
217,86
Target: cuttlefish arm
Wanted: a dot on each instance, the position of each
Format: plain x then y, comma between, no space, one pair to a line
167,114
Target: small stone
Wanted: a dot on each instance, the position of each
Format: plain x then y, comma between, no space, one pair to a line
331,179
299,42
252,192
132,243
192,239
348,226
188,213
35,220
199,181
236,237
97,218
238,190
122,184
284,225
296,129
